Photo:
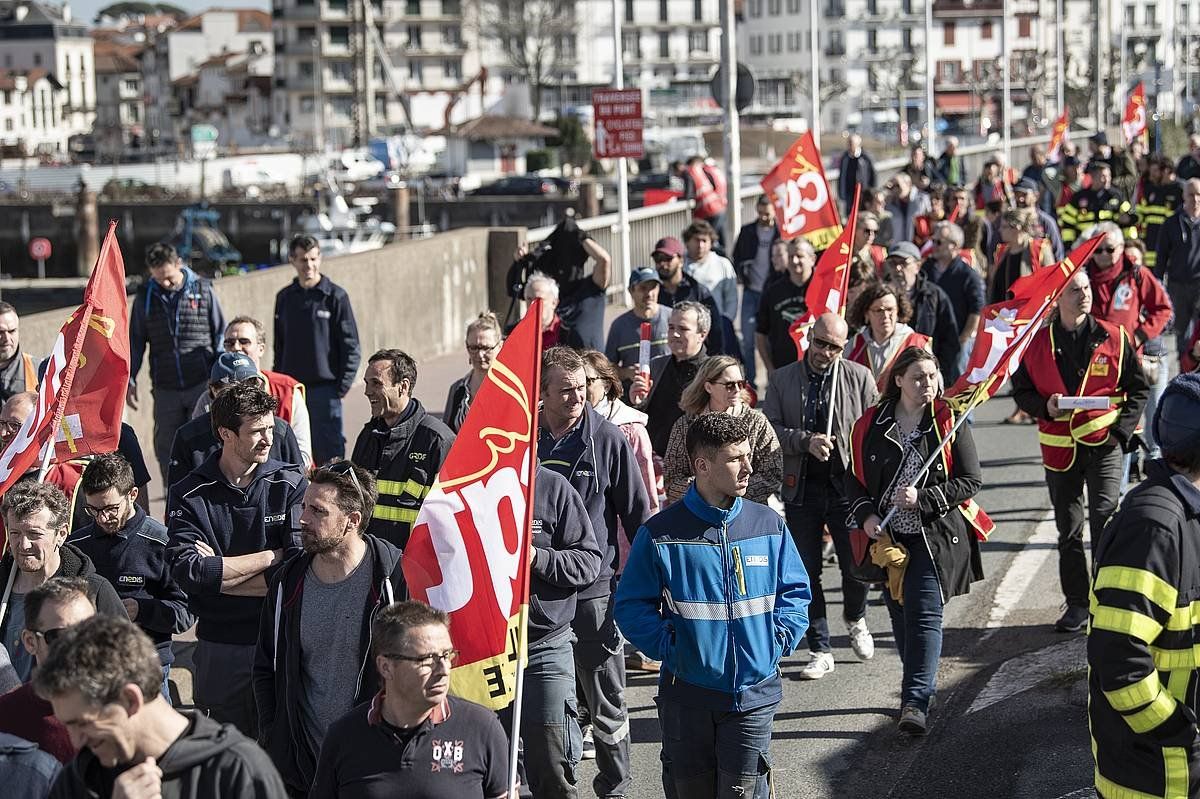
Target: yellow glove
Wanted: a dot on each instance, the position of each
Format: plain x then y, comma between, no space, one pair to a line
893,557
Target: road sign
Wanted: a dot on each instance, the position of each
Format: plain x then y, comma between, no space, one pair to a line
40,249
618,114
204,141
744,92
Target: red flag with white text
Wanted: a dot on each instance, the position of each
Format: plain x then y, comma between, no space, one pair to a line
830,282
1006,328
469,550
1133,123
82,394
1058,135
800,192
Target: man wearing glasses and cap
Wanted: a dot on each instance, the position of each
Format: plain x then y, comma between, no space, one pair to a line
313,662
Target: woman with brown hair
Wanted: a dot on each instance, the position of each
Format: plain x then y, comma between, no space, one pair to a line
889,444
484,337
1021,252
880,314
720,386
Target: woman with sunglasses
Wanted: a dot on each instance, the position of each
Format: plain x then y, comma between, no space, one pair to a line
889,444
484,338
721,386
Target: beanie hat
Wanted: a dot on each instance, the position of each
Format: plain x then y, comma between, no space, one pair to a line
1177,418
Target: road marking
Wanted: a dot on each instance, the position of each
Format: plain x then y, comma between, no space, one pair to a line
1021,571
1088,792
1029,670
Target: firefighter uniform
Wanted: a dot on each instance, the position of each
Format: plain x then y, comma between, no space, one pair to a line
1143,648
1081,447
1159,201
1092,206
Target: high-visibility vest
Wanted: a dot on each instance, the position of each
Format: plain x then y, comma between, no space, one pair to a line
30,369
1035,253
283,388
1060,436
858,354
710,190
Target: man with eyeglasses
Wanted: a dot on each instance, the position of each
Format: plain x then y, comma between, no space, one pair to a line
946,269
592,454
414,739
232,523
196,441
313,662
49,609
677,286
246,336
867,251
782,303
401,444
932,311
814,467
35,518
129,549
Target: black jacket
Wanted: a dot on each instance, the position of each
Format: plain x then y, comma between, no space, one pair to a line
182,328
458,402
195,442
405,459
316,337
76,564
566,555
233,521
933,315
278,682
952,544
745,249
1177,257
689,289
209,760
599,463
134,561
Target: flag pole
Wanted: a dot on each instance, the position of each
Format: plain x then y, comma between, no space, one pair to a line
523,620
852,223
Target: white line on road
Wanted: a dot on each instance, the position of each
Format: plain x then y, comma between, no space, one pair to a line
1022,570
1029,670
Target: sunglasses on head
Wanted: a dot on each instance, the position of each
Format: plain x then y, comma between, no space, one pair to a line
346,467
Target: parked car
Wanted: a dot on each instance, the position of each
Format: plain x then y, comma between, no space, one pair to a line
518,185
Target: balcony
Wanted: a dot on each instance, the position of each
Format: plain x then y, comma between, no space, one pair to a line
835,50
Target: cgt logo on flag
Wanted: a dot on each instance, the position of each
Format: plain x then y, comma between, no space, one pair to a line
469,551
800,193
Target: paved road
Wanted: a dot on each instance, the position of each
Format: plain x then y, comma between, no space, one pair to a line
1010,719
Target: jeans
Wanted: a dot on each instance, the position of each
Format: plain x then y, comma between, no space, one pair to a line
1099,468
749,322
222,684
823,507
710,754
600,676
1185,298
551,741
166,685
325,421
917,625
172,409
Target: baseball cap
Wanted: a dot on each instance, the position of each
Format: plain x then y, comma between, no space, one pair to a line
905,250
643,274
669,246
232,367
1026,184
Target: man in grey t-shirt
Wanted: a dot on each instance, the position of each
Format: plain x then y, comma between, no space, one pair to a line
625,333
313,662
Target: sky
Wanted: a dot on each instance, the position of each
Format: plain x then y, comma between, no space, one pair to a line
86,9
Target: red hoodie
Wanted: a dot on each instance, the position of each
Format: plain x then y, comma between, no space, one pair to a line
1130,296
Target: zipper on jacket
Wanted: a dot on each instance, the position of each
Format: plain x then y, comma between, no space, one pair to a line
738,571
728,575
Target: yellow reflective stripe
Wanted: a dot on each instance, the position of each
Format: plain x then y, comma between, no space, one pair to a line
395,488
1099,423
1134,696
1051,440
551,462
1183,618
1126,622
1110,790
1153,714
1177,682
1175,761
390,514
1140,581
1174,660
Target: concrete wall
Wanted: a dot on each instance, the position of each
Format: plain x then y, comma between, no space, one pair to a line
414,295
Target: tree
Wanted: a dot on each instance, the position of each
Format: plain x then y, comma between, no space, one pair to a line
894,72
138,9
535,38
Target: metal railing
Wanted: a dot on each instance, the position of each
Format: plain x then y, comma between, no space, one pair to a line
649,224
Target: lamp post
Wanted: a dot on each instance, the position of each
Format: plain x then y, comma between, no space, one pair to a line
319,103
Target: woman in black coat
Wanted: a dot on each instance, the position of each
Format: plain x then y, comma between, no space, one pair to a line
889,444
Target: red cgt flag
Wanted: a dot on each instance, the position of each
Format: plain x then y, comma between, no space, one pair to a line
1006,328
82,394
1057,135
469,550
1133,123
798,188
830,282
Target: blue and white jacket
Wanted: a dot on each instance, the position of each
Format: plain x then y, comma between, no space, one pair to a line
719,596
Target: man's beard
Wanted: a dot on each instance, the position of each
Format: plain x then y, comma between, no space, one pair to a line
315,545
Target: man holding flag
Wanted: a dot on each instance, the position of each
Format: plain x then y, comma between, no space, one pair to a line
1082,381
